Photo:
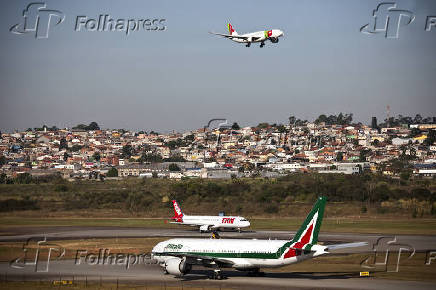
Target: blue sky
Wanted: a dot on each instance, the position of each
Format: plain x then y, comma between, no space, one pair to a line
180,78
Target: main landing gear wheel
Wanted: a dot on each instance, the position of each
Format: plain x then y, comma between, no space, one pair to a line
248,44
217,275
262,44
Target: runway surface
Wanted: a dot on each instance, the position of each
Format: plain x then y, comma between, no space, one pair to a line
153,275
144,273
418,242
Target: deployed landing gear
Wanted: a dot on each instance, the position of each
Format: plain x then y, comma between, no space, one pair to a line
239,230
248,44
217,275
262,44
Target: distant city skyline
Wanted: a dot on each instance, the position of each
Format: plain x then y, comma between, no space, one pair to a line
181,77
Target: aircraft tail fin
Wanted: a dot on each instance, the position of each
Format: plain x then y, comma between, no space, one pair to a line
308,232
231,30
178,214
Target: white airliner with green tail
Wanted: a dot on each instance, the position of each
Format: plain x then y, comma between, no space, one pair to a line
177,256
248,38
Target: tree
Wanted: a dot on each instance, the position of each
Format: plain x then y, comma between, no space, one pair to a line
340,119
339,156
93,126
3,178
281,128
190,138
263,125
292,120
175,158
363,154
63,144
173,167
80,127
321,118
113,172
65,156
96,156
127,151
405,174
431,137
150,157
235,126
76,148
418,119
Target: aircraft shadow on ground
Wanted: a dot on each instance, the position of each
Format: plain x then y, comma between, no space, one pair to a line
206,274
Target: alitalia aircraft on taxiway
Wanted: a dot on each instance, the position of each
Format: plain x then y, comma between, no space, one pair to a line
248,38
177,256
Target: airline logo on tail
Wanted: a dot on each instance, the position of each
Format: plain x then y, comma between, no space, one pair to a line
230,27
307,235
178,214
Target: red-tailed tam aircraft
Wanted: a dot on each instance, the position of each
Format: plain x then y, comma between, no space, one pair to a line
208,223
248,38
177,256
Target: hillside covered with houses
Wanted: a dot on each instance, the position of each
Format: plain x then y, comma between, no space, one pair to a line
401,147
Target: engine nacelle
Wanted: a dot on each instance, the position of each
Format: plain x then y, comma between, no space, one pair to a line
177,266
274,39
204,228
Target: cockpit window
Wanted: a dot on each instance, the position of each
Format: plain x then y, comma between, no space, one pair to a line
243,220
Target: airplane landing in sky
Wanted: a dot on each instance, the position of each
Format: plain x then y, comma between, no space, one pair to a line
208,223
248,38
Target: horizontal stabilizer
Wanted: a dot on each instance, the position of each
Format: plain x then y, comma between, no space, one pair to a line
347,245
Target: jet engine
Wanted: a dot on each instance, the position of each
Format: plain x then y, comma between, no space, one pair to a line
204,228
274,39
177,266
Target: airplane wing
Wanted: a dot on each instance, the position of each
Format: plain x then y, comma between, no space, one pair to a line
347,245
184,224
230,36
193,258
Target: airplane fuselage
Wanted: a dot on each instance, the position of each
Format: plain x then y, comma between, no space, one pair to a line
259,36
241,254
215,222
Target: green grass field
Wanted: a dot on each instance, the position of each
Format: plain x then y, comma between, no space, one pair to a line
350,225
